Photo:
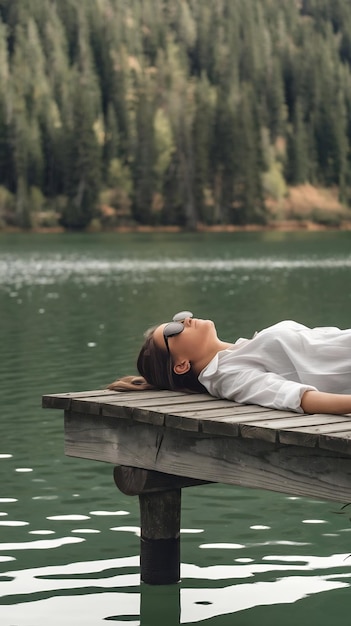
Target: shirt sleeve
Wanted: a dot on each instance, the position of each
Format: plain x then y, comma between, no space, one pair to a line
252,386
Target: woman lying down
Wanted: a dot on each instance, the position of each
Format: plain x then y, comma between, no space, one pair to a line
285,366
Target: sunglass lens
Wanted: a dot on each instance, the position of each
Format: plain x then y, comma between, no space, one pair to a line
173,328
180,317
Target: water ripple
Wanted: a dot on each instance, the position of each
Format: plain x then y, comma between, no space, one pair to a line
40,544
197,604
18,272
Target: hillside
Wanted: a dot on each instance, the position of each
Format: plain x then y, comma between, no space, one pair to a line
174,113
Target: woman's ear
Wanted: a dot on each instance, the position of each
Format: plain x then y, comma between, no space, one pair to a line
182,367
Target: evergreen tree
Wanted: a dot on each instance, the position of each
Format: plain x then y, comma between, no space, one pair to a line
144,160
172,97
83,177
6,156
181,111
111,149
202,140
297,149
248,204
223,154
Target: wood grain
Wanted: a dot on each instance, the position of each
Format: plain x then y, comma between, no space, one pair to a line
250,463
201,413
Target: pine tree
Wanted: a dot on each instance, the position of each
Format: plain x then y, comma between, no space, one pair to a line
144,159
111,148
173,97
248,204
180,103
297,149
83,177
202,140
6,154
223,155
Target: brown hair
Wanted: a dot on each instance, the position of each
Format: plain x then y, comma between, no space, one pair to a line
156,369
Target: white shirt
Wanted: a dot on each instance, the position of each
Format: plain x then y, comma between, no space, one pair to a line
279,364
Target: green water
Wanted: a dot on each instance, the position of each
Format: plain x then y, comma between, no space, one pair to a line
73,310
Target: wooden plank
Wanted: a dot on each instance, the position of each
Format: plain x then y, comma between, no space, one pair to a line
260,464
191,418
124,406
196,420
230,424
137,414
63,400
214,409
186,421
60,400
142,396
183,407
215,421
93,405
154,403
174,398
310,435
154,414
152,411
338,442
88,405
271,429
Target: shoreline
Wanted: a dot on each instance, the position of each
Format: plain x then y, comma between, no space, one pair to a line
276,225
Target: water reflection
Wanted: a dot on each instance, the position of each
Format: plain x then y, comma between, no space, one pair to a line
196,604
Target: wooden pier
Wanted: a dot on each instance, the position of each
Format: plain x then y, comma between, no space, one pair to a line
162,441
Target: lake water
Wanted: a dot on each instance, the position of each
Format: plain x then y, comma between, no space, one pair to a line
73,311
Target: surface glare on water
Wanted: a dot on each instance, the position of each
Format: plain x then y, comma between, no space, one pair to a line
73,312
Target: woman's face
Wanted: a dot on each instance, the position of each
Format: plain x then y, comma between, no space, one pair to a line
192,344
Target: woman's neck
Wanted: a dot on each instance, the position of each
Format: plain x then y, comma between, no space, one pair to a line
210,354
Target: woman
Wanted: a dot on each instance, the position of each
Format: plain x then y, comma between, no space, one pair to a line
286,366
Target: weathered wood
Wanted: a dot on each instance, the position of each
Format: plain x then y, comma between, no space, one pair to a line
160,537
339,442
271,429
201,413
163,441
63,400
311,435
93,405
246,462
196,420
134,481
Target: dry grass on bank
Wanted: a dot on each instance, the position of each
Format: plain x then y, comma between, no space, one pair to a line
306,206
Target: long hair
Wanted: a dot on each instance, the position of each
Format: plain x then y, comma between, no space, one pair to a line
156,372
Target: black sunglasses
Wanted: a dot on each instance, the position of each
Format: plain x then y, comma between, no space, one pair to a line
175,327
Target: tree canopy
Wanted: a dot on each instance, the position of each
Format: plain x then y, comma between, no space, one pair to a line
170,111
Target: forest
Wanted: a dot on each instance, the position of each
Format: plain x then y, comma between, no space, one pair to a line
170,112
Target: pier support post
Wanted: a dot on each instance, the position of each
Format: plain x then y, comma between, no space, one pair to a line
160,510
160,537
133,481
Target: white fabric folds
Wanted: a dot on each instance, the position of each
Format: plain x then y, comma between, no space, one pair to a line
280,363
